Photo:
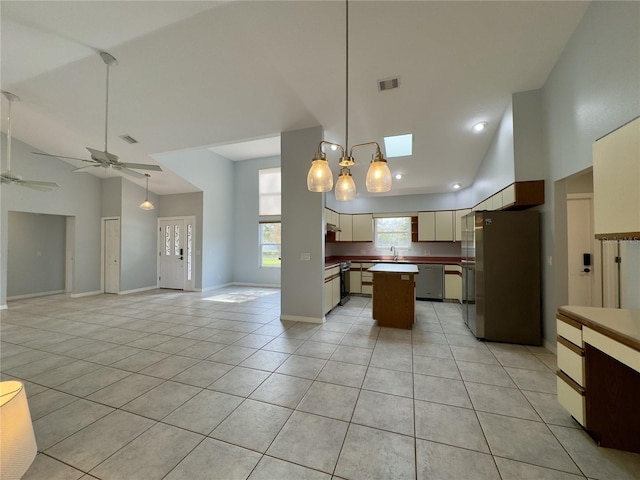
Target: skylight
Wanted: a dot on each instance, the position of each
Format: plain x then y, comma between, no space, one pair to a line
398,145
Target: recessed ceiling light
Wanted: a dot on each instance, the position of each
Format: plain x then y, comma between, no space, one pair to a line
456,186
399,145
398,176
479,127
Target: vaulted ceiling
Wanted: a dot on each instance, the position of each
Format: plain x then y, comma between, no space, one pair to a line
223,75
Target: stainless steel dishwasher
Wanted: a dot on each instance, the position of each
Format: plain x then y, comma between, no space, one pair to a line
430,282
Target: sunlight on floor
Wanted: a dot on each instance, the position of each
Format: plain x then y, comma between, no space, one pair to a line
242,295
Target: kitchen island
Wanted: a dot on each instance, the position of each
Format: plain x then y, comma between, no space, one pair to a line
394,295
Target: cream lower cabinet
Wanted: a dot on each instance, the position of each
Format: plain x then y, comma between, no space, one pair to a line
570,380
367,279
355,278
453,282
331,288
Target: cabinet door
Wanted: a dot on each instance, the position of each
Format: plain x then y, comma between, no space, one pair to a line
509,195
355,279
335,291
426,226
452,283
458,226
363,227
328,297
346,228
444,225
616,182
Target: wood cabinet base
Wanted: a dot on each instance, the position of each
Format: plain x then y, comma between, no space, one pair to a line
394,299
613,393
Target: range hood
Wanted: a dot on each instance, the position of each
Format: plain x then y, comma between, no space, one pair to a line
332,228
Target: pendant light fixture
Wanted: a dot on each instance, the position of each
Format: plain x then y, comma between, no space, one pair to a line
320,177
147,205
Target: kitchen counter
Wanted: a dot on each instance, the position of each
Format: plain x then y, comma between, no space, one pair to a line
619,324
598,374
394,294
389,259
394,268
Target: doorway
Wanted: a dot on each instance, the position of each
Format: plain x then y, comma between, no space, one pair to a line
111,255
176,237
583,252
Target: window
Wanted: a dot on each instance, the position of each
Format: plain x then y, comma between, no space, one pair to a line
270,244
393,231
270,191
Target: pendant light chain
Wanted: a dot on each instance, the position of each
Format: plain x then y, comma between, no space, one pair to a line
346,69
106,116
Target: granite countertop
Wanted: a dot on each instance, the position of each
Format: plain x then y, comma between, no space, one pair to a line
619,324
394,268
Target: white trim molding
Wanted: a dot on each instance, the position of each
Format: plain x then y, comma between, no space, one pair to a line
296,318
86,294
34,295
136,290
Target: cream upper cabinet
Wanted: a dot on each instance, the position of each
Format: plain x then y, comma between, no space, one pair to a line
616,183
509,195
426,226
331,217
458,215
444,226
346,228
362,227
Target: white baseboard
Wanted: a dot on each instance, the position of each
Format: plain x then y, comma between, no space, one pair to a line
136,290
3,307
34,295
86,294
296,318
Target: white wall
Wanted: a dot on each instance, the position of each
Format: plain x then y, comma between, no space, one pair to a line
302,230
399,203
593,88
528,144
212,174
138,239
246,265
78,196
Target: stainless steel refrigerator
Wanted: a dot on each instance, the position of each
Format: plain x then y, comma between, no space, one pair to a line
501,298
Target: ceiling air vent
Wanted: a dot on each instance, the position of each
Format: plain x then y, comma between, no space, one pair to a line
388,84
128,139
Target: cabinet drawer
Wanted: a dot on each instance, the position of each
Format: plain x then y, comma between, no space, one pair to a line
571,331
572,400
570,361
367,289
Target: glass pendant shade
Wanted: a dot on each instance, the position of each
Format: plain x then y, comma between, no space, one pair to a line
147,205
378,176
319,178
345,186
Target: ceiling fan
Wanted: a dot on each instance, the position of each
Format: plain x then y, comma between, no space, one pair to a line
8,176
106,159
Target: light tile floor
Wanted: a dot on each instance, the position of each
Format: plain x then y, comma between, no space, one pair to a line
176,385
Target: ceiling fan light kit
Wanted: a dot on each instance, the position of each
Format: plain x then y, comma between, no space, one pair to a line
11,178
105,159
320,177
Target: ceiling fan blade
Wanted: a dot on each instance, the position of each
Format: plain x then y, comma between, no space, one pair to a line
61,156
40,188
126,171
39,184
141,166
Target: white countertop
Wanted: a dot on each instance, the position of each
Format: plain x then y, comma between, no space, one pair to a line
625,323
394,268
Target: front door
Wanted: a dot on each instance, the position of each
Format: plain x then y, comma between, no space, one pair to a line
172,240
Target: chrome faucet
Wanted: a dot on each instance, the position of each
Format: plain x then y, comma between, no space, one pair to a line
395,253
